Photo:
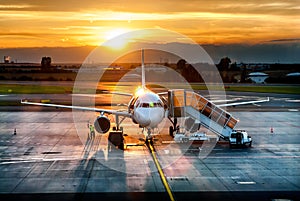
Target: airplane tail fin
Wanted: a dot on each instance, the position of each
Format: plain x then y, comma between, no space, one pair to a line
143,71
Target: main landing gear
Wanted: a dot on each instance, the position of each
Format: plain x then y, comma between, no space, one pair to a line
173,128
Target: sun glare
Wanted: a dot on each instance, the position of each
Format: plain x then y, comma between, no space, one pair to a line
139,91
114,40
114,33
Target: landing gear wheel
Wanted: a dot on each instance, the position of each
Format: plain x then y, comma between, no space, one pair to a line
149,140
171,130
175,123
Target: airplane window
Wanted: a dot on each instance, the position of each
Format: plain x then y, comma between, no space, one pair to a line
159,104
145,105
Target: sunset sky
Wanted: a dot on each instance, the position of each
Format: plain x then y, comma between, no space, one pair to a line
59,23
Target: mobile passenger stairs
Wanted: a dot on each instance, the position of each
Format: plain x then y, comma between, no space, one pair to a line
198,111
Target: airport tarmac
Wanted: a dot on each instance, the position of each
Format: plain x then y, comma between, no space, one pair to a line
51,157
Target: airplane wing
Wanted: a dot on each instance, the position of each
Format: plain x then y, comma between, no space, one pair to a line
244,103
104,93
121,93
107,111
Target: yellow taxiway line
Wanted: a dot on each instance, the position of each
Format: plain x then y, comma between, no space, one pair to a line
161,173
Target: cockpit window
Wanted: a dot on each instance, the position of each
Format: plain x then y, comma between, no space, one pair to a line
159,104
145,104
151,104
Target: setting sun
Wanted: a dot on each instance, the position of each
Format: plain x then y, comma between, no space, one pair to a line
115,38
114,33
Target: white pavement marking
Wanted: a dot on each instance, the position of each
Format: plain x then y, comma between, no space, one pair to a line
246,182
293,101
293,110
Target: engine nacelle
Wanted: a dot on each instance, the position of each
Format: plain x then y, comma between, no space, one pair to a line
102,124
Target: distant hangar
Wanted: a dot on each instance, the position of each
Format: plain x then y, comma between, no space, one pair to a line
258,77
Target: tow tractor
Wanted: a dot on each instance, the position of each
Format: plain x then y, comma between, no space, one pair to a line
240,138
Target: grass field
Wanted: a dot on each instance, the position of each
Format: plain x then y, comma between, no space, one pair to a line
267,89
282,89
33,89
37,89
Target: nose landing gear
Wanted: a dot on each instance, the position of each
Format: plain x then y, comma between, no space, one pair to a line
148,136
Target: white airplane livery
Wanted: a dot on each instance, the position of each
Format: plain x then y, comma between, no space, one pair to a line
146,108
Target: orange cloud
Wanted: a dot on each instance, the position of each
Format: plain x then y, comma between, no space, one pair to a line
59,23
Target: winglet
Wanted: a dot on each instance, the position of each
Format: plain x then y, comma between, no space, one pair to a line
143,71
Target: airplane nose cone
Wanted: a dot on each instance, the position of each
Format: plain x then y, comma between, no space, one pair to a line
147,117
156,117
143,119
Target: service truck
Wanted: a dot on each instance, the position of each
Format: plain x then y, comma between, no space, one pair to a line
240,138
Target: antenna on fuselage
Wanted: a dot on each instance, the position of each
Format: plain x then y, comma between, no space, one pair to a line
143,71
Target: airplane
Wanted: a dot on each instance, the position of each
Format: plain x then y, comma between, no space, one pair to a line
146,108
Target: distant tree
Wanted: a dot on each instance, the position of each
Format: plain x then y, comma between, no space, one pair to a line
224,64
243,73
181,64
188,71
46,62
234,67
191,74
167,64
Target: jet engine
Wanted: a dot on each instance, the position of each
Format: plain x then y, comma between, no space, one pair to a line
102,124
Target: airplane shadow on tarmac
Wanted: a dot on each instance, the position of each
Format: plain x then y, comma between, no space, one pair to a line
99,181
104,174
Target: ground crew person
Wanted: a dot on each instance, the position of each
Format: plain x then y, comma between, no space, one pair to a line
92,131
88,126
